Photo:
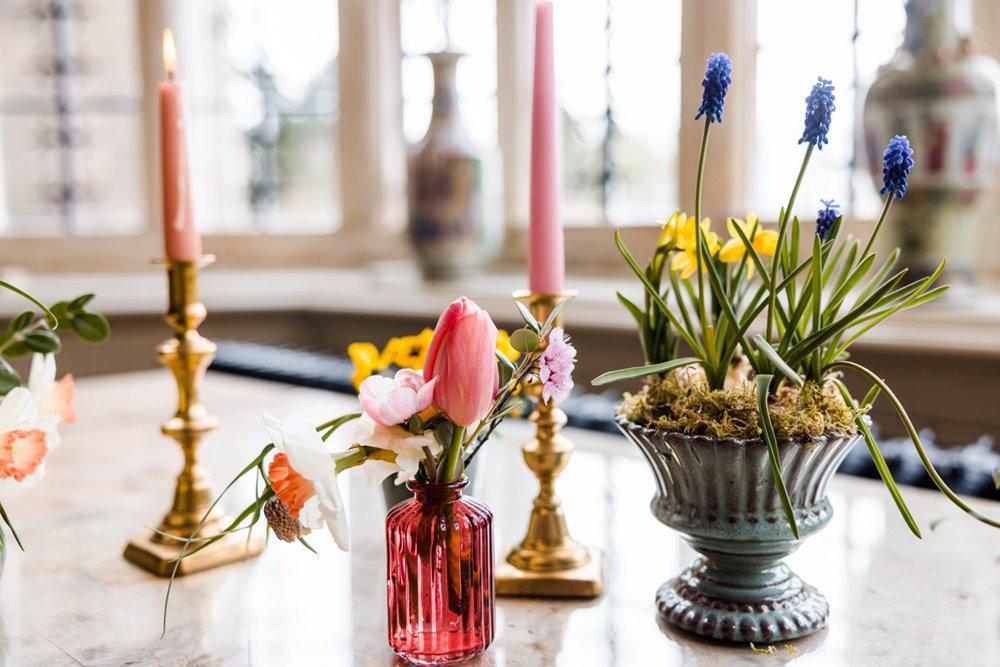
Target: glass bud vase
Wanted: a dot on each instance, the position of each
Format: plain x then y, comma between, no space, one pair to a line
439,564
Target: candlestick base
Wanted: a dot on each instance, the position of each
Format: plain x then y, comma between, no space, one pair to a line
160,559
584,581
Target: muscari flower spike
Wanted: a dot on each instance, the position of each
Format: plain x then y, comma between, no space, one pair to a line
896,163
826,217
716,83
819,109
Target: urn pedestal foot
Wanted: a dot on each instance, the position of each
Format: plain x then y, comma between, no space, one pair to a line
772,608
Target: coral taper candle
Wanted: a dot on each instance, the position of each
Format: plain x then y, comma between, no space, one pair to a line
546,261
180,236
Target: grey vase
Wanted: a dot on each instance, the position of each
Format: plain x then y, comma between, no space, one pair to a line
720,493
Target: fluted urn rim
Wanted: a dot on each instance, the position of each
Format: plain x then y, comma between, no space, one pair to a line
676,436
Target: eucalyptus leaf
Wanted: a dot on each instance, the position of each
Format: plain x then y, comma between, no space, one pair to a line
23,321
42,341
91,327
996,477
529,319
79,303
9,379
525,341
17,350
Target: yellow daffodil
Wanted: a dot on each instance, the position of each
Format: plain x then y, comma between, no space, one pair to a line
367,361
764,241
686,260
407,351
669,230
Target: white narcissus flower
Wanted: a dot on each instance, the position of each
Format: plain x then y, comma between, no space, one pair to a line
407,447
53,399
303,475
25,438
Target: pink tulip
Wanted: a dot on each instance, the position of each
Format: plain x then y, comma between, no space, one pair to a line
462,356
391,401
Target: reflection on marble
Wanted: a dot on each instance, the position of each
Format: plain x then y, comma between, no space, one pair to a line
73,600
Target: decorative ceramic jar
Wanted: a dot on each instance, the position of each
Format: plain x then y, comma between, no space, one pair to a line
439,563
720,493
446,186
943,96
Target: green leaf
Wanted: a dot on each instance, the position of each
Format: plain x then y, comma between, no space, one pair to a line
633,309
876,454
550,320
504,370
17,350
23,321
529,319
640,371
776,359
996,477
525,341
77,305
92,327
6,520
915,439
61,311
763,382
688,335
9,379
42,341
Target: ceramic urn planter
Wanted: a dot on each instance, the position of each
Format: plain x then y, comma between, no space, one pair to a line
720,493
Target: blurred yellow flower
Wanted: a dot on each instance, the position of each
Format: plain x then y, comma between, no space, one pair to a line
686,261
407,351
367,361
669,230
764,241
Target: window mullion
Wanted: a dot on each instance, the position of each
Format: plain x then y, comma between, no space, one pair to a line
710,26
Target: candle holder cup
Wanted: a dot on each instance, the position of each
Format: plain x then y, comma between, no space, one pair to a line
548,562
188,354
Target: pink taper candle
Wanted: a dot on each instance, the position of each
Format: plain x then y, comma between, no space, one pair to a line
546,261
180,236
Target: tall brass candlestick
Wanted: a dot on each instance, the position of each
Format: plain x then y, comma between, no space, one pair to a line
188,355
548,562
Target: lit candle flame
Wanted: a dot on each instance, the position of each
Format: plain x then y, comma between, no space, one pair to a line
169,52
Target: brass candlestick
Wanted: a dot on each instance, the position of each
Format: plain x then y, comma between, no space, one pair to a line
548,562
188,355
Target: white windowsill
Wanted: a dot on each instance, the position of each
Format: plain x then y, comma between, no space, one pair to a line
963,322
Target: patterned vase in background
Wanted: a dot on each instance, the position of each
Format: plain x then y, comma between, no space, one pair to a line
439,564
943,96
446,186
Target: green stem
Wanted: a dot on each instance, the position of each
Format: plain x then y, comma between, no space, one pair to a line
454,455
878,226
53,322
702,313
779,250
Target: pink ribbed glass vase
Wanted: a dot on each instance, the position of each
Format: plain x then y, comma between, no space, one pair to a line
439,562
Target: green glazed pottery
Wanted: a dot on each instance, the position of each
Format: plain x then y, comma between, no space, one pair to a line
720,493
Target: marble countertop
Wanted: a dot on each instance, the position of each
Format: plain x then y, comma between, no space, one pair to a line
72,600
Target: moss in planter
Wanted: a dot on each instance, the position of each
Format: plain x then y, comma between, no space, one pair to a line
682,402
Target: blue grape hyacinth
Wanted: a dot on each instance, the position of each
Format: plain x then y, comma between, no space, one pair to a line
896,163
819,109
716,82
826,217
